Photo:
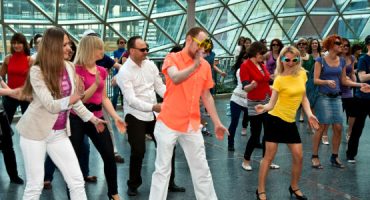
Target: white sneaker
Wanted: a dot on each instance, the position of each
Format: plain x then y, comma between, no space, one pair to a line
325,140
351,161
244,132
274,166
246,167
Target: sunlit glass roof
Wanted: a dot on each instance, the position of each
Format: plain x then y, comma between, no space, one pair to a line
162,23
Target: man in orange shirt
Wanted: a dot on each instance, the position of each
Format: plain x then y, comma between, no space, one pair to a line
188,77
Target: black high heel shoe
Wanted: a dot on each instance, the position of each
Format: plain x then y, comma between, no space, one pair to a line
110,197
260,193
334,161
316,166
291,191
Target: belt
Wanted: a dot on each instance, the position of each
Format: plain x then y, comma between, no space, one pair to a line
93,107
332,95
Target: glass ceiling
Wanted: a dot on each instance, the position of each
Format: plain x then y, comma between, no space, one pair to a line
162,23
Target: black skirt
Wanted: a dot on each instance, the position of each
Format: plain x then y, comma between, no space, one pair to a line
280,131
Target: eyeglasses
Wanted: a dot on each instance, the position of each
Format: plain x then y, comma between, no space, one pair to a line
338,43
122,42
302,43
285,59
143,49
275,45
206,43
347,45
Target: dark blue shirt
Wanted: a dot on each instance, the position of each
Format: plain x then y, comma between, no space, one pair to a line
106,62
363,65
118,53
330,73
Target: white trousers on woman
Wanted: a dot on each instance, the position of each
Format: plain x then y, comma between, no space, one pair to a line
58,146
193,145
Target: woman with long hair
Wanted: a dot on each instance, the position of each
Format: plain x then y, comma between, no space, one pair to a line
90,50
275,47
348,101
288,93
44,127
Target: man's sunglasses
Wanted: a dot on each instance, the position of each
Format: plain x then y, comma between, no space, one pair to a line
142,49
285,59
206,43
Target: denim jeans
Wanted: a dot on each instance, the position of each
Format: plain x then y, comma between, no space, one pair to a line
235,110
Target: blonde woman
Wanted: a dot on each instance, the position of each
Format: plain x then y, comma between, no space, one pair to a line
288,93
90,50
44,127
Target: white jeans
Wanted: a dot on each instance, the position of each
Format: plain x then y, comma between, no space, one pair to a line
193,145
60,150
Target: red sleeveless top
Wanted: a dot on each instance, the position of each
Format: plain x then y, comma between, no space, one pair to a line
17,70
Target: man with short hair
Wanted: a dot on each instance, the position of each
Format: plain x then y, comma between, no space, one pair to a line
362,104
139,81
188,78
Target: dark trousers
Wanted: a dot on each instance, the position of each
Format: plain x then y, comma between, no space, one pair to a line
235,110
102,142
83,159
116,93
11,105
7,147
362,111
136,130
256,123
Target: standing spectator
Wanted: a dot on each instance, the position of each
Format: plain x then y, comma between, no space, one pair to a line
34,45
239,46
270,57
121,43
16,66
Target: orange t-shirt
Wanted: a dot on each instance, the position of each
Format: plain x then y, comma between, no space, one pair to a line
180,105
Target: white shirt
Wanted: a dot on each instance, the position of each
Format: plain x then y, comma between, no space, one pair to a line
139,85
239,95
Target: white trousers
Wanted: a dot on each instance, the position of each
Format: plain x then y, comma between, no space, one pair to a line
58,146
193,145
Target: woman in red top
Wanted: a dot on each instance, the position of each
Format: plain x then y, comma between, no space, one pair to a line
255,79
16,66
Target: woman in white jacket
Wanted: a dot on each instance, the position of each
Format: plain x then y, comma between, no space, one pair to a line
44,127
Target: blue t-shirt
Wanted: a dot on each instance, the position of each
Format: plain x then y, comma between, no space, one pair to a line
363,65
105,62
330,73
118,53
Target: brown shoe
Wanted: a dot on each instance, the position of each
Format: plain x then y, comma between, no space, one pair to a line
47,185
91,179
119,158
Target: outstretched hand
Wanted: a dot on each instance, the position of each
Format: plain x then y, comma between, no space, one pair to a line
121,125
220,131
99,125
260,108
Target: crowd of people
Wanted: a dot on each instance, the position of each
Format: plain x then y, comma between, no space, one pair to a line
61,90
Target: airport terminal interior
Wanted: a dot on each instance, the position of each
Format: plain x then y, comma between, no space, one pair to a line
164,24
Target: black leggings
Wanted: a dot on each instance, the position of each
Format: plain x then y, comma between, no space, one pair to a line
256,123
102,142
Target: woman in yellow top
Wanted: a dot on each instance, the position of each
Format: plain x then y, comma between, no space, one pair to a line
288,93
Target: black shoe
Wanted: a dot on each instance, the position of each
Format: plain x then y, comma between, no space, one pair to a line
131,191
291,191
118,158
17,180
260,193
335,163
231,148
175,188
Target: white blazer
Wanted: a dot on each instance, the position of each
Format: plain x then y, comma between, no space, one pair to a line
38,120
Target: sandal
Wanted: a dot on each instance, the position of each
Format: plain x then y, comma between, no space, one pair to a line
318,165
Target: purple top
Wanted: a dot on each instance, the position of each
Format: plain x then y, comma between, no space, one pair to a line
89,79
347,91
271,64
66,87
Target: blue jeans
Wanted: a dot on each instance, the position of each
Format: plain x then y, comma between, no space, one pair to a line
83,159
235,110
116,94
